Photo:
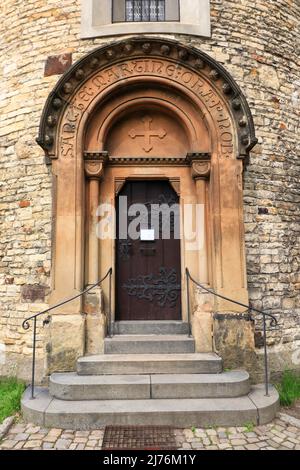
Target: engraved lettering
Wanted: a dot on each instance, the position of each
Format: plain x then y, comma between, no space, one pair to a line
209,96
72,115
99,81
157,66
85,93
197,85
111,75
69,128
66,147
226,136
187,77
125,69
170,70
139,66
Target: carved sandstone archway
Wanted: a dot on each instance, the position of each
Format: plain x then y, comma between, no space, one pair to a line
183,118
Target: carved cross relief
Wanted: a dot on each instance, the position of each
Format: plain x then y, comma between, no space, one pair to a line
148,133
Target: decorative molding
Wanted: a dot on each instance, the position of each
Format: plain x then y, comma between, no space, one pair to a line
175,183
186,61
94,164
119,184
200,165
148,134
148,161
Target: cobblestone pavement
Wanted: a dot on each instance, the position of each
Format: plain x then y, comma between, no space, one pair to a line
277,435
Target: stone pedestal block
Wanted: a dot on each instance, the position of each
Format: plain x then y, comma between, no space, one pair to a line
202,323
95,322
66,341
234,340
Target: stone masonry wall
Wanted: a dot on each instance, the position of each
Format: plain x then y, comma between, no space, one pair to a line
258,42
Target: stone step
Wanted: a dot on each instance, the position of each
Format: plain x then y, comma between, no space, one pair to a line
50,412
135,364
149,344
70,386
150,328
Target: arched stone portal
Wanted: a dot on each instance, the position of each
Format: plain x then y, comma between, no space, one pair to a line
147,109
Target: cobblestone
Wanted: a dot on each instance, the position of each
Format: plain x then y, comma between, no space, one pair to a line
262,437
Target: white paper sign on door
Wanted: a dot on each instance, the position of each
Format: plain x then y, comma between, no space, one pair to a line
147,235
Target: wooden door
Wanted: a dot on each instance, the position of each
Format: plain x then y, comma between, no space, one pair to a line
148,273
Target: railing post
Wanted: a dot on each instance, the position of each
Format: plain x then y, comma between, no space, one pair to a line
109,306
33,360
266,356
188,301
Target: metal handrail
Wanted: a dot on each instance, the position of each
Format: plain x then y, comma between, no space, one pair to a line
274,321
26,322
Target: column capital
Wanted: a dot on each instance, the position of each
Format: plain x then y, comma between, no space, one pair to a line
94,163
200,165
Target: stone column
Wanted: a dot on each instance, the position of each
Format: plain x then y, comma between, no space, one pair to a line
202,322
93,304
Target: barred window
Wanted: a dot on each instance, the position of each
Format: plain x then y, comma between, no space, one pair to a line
103,18
145,10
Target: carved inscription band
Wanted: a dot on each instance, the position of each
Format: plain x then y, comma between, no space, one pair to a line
199,86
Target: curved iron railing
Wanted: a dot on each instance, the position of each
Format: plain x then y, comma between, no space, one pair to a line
273,323
26,322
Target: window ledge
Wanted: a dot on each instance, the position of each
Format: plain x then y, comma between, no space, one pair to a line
195,20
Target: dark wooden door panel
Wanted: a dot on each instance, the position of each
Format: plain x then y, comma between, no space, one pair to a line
148,283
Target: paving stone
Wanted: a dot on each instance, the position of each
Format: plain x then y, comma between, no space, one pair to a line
277,439
36,436
32,444
81,440
273,444
288,444
62,444
238,442
8,444
18,428
73,446
197,445
47,445
186,445
293,429
80,446
21,436
252,447
206,442
55,432
32,429
97,433
19,445
82,433
224,446
92,443
211,432
252,440
50,438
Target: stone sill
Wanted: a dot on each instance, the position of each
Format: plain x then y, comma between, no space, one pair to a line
140,28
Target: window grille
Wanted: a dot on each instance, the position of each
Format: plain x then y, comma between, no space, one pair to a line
145,10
